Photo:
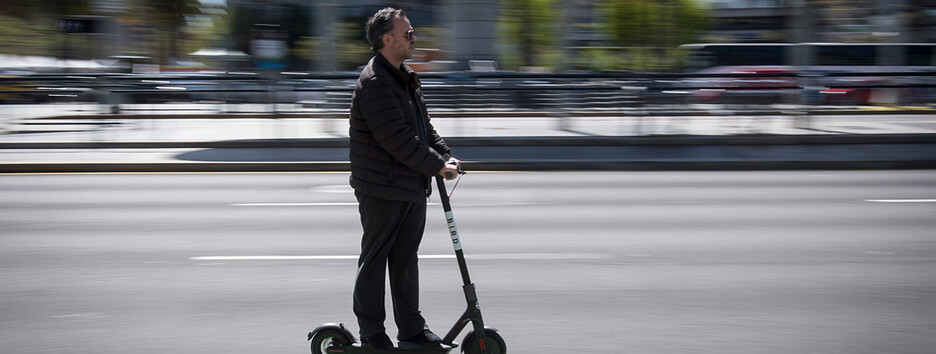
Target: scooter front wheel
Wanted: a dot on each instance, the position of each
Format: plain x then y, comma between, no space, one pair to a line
329,338
493,342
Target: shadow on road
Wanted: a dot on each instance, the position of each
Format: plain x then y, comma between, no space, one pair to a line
271,154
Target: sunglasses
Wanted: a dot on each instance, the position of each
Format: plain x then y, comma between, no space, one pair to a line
410,36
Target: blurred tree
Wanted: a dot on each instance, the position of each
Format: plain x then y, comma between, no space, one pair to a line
529,32
31,27
241,21
297,24
352,47
25,37
306,49
650,31
58,8
170,17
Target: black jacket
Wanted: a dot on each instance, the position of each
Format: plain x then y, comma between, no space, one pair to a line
388,157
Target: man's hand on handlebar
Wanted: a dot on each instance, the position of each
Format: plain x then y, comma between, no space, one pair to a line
451,169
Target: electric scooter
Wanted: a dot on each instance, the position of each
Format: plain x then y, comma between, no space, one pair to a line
332,338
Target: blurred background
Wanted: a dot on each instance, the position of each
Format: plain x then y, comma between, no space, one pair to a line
625,53
570,55
520,35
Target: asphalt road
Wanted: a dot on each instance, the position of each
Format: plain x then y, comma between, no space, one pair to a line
598,262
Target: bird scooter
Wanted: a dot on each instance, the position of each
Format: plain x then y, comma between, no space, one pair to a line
332,338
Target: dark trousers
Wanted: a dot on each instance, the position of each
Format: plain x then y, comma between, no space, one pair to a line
392,233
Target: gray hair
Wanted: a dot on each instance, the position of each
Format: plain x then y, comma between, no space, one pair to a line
380,24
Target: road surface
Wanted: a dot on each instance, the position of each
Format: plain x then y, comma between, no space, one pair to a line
600,262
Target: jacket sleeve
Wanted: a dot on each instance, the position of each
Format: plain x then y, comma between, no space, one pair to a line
384,117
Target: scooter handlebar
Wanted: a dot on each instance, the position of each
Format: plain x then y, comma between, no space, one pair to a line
457,164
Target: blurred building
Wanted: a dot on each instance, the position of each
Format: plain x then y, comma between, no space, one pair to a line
581,19
469,26
821,21
748,21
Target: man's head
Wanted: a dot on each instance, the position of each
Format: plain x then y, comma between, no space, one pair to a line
389,32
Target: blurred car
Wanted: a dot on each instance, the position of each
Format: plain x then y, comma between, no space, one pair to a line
33,90
772,88
839,90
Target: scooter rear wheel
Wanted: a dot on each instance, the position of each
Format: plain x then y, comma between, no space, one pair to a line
329,338
492,341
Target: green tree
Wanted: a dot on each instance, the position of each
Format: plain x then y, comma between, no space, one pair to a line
31,27
352,47
170,17
649,31
24,37
528,32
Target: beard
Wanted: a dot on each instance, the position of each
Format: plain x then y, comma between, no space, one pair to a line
409,52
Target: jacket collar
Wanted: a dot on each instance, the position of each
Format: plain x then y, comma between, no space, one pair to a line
403,75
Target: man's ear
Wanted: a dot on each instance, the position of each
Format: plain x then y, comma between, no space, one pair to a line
386,38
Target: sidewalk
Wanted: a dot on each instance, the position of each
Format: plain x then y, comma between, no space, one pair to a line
506,142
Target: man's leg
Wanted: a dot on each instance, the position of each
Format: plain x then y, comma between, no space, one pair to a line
404,272
380,219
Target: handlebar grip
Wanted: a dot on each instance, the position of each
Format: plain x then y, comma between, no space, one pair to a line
453,162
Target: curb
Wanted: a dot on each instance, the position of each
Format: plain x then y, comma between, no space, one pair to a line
545,165
682,153
625,112
656,140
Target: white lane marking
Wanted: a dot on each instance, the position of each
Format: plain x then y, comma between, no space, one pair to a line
333,189
540,256
292,204
489,204
85,315
500,256
469,204
880,253
271,258
901,200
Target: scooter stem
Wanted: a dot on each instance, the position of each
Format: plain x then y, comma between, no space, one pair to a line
453,231
473,312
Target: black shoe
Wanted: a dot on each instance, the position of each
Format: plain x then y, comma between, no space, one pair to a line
379,341
426,339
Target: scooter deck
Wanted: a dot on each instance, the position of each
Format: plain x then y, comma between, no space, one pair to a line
356,348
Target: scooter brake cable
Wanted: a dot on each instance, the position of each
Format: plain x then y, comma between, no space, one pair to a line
460,174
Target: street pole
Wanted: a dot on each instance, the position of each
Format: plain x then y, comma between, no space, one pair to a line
800,57
324,12
891,29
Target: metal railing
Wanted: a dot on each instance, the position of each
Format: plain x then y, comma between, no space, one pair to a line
600,93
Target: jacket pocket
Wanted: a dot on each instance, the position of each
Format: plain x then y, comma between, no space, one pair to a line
392,173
